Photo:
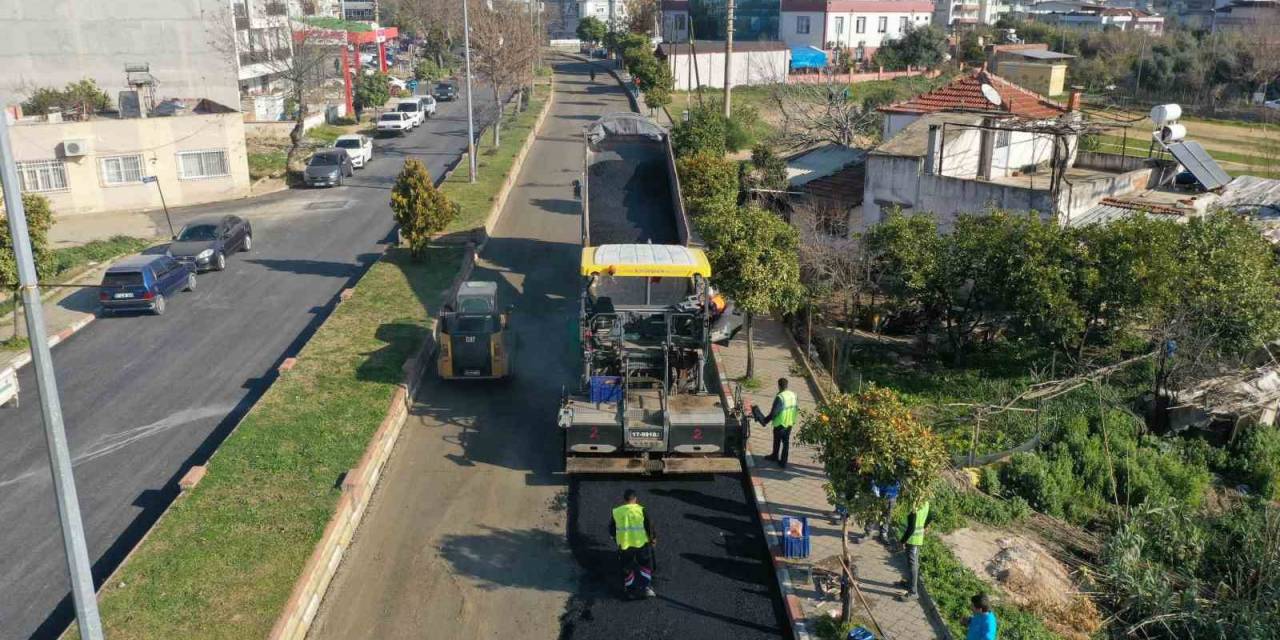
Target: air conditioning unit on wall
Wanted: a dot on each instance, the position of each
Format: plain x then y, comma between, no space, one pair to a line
75,148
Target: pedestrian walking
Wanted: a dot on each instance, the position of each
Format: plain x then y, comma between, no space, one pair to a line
633,531
913,537
982,624
782,416
593,73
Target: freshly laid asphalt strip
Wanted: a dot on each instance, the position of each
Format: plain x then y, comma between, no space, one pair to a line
145,397
713,578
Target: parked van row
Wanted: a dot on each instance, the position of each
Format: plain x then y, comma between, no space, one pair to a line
409,114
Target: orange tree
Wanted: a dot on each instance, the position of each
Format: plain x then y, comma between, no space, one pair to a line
865,437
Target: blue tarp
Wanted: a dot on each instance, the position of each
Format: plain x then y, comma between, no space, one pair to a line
808,58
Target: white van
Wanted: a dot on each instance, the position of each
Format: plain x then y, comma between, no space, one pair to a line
413,108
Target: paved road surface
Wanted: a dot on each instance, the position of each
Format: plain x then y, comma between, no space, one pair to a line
146,397
469,532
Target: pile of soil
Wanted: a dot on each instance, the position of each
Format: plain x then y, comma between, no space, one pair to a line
1029,576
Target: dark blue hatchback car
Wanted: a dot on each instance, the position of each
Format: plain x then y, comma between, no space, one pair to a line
140,283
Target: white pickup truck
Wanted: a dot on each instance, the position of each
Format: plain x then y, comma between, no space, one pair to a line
397,122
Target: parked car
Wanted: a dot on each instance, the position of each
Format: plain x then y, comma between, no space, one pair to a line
327,168
412,107
395,122
445,91
359,147
141,283
205,242
428,105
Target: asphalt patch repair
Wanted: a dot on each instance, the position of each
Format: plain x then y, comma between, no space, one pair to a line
714,577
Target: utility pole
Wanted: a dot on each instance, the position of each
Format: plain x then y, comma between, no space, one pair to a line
64,483
728,63
471,120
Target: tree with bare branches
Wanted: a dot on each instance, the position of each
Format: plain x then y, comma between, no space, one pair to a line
303,59
503,51
823,112
642,16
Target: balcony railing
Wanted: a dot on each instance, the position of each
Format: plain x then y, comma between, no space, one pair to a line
241,23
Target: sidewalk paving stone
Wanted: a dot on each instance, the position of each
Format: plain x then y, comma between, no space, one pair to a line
799,490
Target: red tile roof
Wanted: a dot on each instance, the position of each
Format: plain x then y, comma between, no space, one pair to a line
964,94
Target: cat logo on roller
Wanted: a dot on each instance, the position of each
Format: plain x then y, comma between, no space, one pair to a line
471,337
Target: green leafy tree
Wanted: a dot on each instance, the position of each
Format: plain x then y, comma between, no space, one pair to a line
704,131
765,173
428,71
39,221
754,261
82,97
871,437
1228,288
371,91
420,208
708,182
924,47
591,29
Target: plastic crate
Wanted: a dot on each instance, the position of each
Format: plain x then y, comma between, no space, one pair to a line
606,389
795,537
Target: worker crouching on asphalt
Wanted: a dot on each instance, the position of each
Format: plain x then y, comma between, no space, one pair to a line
631,528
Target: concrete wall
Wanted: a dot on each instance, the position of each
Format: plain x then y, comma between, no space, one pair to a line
53,42
157,140
749,68
895,122
1084,195
1024,148
895,180
1044,79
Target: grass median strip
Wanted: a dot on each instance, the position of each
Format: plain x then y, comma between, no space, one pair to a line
476,199
223,561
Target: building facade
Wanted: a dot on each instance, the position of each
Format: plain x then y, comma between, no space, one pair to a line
858,25
752,19
108,164
51,43
965,14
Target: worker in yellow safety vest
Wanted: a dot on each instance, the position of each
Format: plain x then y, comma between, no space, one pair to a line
913,538
783,415
633,531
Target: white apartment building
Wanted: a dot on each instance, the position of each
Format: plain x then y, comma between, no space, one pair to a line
961,14
610,12
860,25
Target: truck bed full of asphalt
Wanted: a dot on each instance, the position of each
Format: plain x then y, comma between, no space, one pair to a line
629,193
713,575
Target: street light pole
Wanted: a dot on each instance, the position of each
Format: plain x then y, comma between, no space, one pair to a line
471,122
728,63
64,484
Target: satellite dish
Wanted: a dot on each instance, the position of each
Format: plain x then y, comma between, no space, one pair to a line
989,92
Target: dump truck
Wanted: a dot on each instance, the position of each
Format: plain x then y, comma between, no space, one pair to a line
649,398
471,334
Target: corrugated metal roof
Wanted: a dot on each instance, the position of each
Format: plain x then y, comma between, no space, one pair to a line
1041,54
820,162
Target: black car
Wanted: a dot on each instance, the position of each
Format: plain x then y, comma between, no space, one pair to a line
205,242
328,167
445,91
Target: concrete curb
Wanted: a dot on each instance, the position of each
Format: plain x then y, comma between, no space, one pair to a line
358,486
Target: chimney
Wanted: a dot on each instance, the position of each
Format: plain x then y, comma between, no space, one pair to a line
1073,102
